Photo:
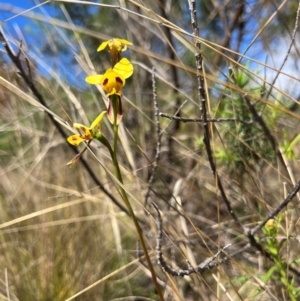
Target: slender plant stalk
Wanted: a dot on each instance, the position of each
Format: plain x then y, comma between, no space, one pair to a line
127,203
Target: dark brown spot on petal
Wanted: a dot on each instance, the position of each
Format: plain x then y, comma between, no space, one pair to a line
105,81
119,80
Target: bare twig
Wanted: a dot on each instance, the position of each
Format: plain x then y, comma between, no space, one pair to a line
158,143
276,210
205,265
173,70
237,20
202,100
251,232
171,53
178,110
183,119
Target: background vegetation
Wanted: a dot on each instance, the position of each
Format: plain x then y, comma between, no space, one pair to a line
63,237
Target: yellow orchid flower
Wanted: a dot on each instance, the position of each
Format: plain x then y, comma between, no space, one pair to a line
85,133
114,45
113,80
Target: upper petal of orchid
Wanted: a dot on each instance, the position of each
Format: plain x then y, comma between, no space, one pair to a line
124,67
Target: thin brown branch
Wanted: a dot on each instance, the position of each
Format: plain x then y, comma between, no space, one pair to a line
237,20
158,143
274,213
207,264
203,104
173,69
183,119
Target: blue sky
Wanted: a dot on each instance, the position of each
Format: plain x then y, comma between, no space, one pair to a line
16,25
9,19
34,34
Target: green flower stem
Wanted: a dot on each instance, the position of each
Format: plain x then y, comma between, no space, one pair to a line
118,175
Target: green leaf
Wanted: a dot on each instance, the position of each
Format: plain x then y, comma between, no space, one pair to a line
265,279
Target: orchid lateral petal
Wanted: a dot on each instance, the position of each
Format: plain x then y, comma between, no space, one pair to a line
102,46
98,120
124,67
75,140
94,79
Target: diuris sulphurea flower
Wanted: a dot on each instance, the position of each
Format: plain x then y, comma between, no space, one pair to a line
113,80
119,44
115,47
85,134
